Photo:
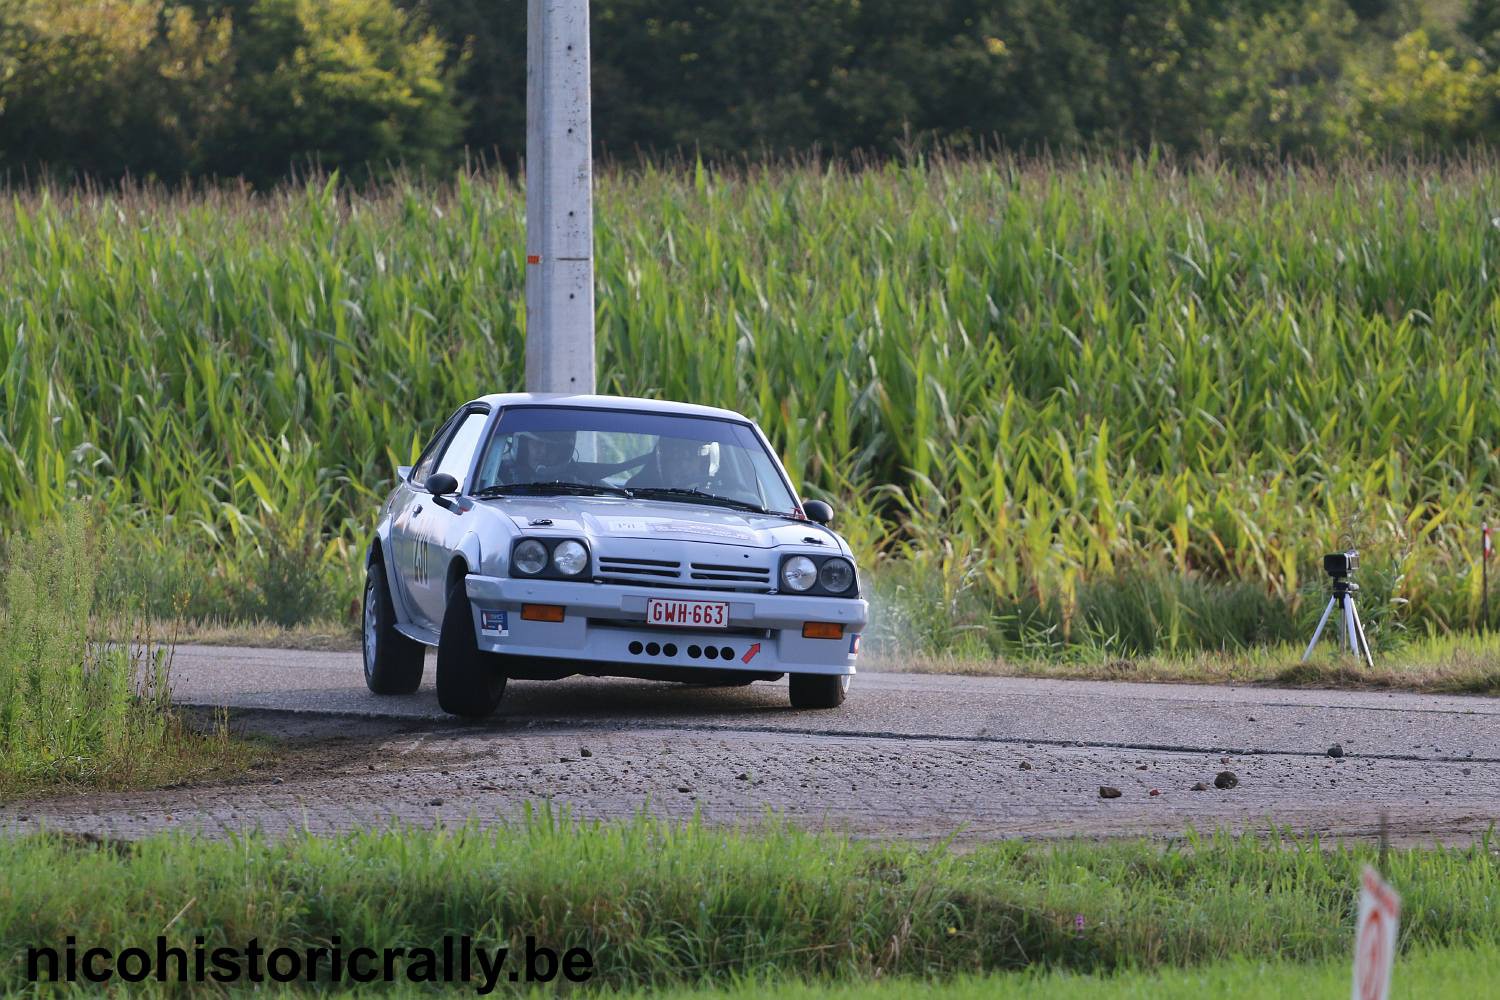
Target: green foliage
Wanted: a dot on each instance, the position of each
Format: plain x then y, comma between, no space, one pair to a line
1279,81
1028,380
357,85
1424,97
1482,21
1450,973
256,88
659,904
73,706
109,87
1268,78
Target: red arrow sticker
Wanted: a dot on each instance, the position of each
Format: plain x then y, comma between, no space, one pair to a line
750,653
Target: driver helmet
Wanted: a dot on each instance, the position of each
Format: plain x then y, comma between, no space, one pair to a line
545,453
685,462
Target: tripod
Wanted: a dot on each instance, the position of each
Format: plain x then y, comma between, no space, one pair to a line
1353,629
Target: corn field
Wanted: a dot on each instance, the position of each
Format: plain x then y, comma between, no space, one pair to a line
1024,378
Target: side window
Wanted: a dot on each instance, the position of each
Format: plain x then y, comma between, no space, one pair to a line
459,454
430,454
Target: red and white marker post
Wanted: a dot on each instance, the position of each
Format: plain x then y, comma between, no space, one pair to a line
1485,577
1375,937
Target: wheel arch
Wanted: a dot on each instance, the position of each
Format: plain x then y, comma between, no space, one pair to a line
458,568
375,553
466,557
378,556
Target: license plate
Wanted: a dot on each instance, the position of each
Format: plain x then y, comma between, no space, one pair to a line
687,614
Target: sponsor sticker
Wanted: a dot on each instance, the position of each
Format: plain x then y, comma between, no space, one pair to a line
494,622
854,643
698,528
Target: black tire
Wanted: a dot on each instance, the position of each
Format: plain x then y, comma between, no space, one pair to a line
470,682
818,690
393,663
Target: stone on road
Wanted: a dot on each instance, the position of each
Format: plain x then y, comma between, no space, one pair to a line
907,755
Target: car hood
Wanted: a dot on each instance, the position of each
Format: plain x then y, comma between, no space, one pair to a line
617,517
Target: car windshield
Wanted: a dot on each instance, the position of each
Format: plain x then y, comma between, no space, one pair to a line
653,456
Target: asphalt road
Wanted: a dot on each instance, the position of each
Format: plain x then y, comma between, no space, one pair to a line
908,755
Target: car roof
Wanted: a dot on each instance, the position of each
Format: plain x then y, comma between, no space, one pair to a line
591,402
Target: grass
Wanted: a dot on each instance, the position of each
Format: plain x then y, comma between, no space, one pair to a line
1446,973
662,905
84,681
1114,404
1437,665
330,635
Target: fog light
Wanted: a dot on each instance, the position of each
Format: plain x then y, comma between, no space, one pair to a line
822,630
542,612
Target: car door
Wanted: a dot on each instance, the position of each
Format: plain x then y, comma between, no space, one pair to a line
405,525
434,528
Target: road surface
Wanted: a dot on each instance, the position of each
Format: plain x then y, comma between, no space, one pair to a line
908,755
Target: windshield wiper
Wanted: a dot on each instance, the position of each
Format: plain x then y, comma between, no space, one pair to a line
698,496
556,486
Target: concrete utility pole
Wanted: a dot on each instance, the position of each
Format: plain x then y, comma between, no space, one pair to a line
559,199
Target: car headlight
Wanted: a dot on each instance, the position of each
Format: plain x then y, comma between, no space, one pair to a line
570,558
530,557
836,576
799,573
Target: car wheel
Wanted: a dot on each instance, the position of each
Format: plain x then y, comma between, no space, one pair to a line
818,690
469,680
393,663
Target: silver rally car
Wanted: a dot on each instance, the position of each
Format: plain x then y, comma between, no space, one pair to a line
540,536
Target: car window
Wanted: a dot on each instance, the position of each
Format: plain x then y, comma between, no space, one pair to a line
632,450
459,453
430,454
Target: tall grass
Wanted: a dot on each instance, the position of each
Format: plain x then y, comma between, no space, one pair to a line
84,685
1033,379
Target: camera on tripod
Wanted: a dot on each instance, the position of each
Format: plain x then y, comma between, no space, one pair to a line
1341,564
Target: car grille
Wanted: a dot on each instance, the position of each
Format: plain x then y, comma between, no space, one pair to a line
612,566
752,575
668,573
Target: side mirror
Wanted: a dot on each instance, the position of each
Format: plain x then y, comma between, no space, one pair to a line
817,510
441,485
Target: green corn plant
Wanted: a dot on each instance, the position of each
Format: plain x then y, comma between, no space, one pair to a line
1039,378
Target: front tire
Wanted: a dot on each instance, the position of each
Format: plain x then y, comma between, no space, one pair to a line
470,682
393,663
818,690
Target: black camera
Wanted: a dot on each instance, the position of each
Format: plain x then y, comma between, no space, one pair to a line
1341,564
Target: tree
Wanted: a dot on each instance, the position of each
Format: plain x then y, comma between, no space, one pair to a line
109,87
358,85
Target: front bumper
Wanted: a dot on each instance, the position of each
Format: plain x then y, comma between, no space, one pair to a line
605,623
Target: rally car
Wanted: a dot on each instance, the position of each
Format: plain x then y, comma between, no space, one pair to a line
540,536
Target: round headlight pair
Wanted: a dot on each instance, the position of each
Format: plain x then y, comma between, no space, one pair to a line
569,558
799,573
